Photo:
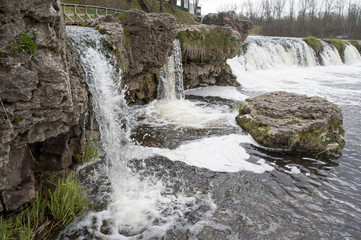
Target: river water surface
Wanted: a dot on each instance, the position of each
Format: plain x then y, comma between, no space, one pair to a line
183,169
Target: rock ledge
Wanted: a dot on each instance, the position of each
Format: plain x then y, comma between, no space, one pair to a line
293,122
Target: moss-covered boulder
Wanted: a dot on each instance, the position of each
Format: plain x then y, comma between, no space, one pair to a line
293,122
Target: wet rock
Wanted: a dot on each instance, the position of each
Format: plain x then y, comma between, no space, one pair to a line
42,93
229,19
205,50
15,198
293,122
142,43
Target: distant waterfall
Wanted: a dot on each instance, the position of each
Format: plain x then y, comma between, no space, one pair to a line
262,53
171,76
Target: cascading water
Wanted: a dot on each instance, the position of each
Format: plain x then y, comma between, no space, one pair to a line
196,175
139,207
262,53
171,76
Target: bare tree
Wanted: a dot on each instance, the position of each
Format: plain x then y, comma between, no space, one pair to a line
291,9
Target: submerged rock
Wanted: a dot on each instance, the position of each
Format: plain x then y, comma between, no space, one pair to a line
293,122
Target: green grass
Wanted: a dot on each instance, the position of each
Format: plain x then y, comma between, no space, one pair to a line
198,44
314,43
90,153
67,200
340,46
46,212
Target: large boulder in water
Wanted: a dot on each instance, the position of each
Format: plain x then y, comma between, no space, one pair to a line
293,122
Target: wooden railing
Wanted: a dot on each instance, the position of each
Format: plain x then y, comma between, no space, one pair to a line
75,14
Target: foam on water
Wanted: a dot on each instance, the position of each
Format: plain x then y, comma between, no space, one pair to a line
191,114
216,91
336,83
221,154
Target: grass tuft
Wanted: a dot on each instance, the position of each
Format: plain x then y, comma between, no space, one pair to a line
67,200
90,153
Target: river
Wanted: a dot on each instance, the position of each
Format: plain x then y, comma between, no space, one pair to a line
181,168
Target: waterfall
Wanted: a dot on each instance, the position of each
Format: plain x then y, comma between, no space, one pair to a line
352,55
134,201
171,76
262,53
104,83
330,55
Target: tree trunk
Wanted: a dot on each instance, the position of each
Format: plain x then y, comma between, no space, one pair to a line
173,5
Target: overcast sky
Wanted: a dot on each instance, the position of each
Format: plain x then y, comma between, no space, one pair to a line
209,6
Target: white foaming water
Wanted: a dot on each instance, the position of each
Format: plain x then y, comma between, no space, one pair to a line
171,76
216,91
186,113
336,81
276,53
352,56
330,55
221,154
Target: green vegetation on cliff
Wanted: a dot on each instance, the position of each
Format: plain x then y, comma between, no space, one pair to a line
356,44
207,45
24,43
315,44
340,45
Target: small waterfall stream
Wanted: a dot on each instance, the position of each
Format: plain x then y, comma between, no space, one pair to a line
171,76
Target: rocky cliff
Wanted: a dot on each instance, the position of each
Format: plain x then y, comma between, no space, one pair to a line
42,93
142,43
206,48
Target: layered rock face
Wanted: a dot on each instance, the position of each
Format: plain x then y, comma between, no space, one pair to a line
205,50
142,43
293,122
231,20
42,92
